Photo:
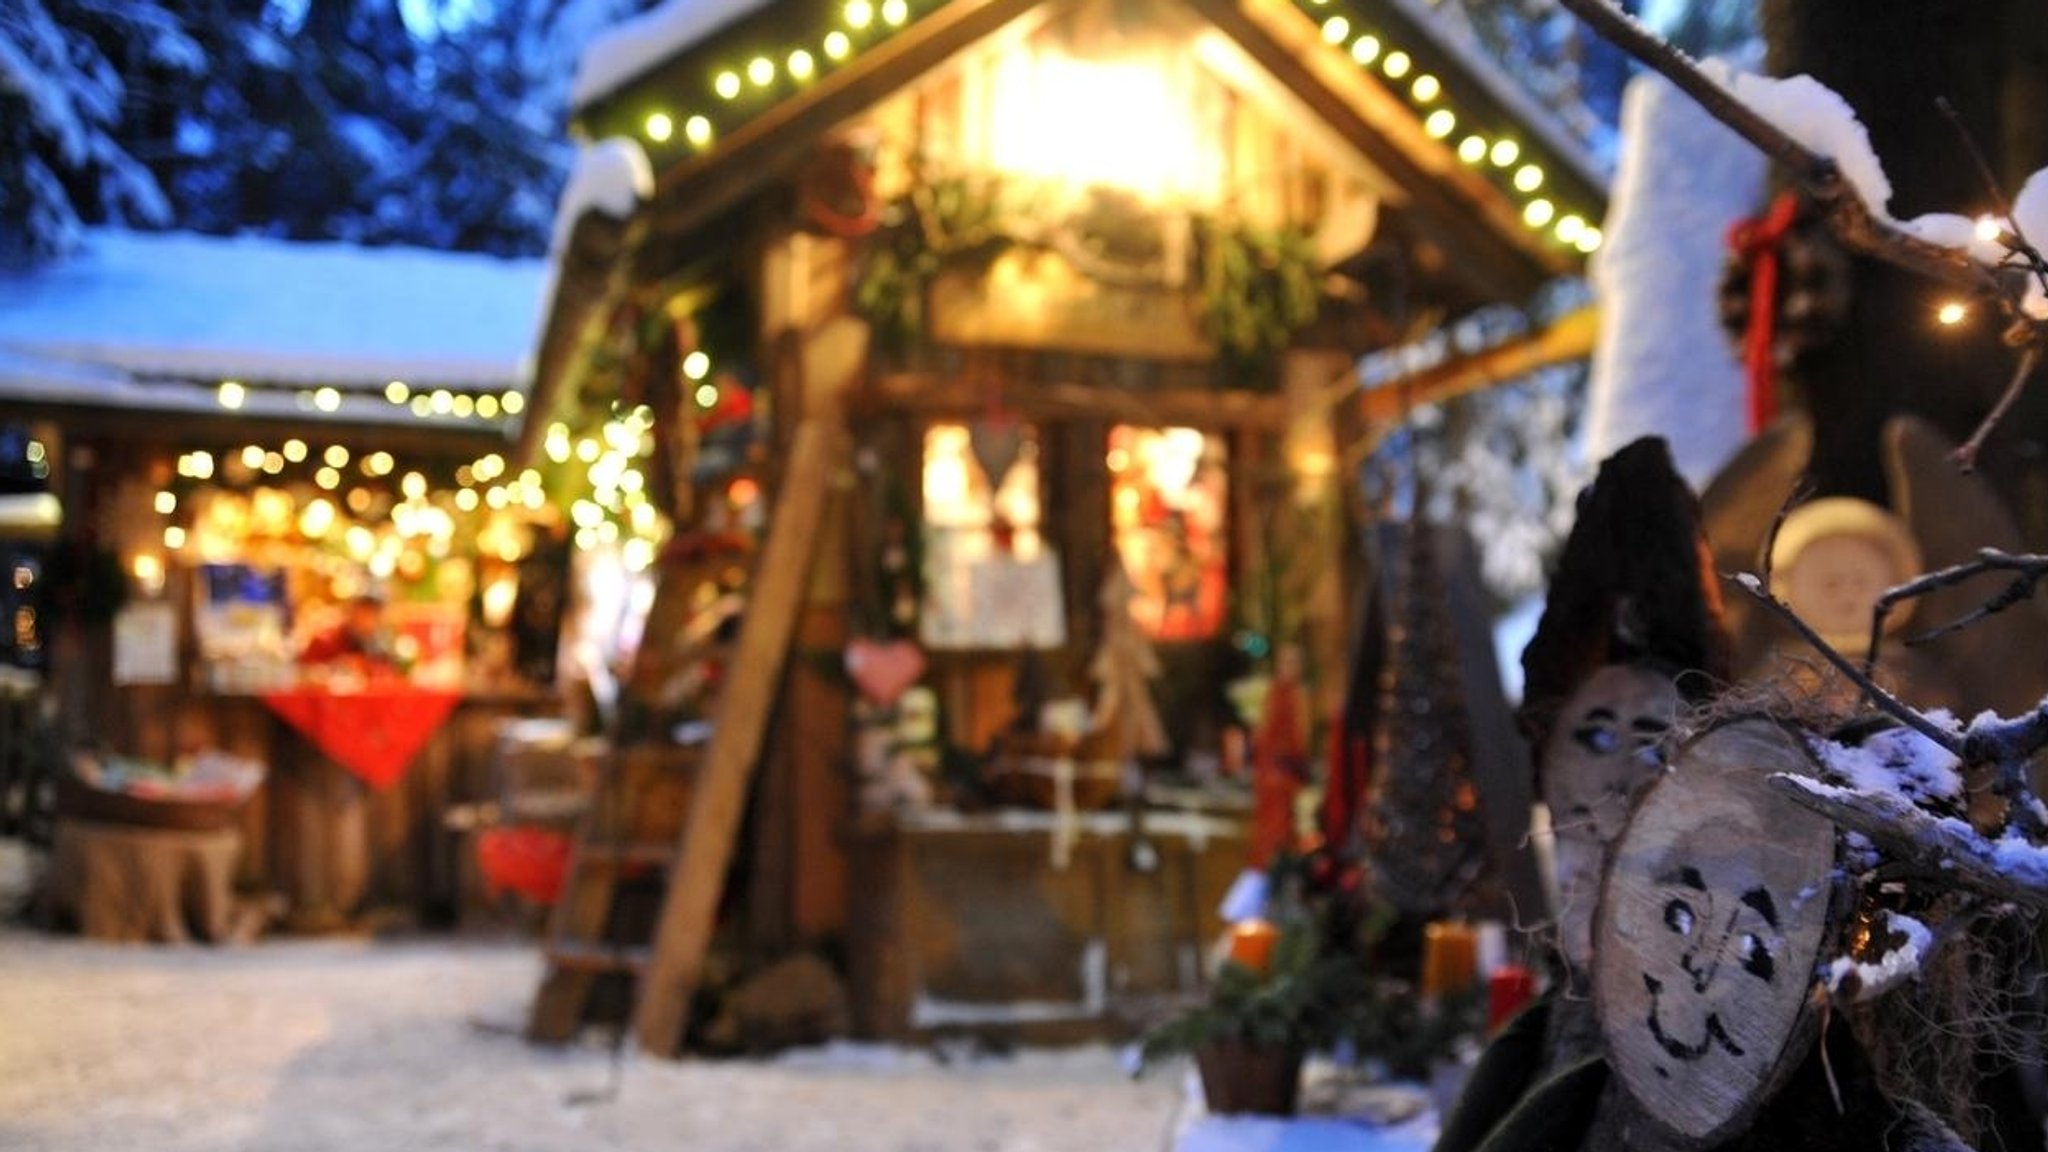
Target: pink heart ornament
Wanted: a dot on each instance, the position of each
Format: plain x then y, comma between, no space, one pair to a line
884,670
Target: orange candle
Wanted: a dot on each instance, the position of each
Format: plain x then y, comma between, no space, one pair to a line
1251,944
1450,958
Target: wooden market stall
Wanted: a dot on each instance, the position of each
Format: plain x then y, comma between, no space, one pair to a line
293,552
1069,296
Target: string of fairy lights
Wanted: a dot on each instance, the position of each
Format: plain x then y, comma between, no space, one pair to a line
734,91
422,402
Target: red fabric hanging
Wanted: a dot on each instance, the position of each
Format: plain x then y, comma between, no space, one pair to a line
1760,241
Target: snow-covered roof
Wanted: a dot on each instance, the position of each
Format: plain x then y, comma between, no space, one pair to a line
209,308
635,46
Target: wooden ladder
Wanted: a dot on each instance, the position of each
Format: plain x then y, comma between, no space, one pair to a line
589,934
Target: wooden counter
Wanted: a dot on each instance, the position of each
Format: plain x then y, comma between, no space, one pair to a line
964,922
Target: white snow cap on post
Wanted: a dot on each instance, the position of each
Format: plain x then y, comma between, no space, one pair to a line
1662,366
611,176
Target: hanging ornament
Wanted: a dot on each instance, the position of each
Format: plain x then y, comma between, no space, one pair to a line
884,669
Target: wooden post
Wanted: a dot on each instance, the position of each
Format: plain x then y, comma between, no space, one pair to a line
782,573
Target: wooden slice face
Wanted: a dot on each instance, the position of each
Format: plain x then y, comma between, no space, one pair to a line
1714,913
1602,753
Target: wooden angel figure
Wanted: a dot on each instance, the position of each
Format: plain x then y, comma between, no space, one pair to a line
1124,667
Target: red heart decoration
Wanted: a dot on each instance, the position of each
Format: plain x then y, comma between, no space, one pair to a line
884,669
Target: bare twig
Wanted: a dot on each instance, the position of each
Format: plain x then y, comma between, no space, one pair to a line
2019,244
1885,702
1800,494
2029,570
1966,456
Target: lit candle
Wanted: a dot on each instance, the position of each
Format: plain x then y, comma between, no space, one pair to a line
1251,944
1450,958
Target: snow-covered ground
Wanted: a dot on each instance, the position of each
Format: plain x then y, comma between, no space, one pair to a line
326,1046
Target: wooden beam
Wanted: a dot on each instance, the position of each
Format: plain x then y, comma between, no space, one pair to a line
781,575
932,395
1570,338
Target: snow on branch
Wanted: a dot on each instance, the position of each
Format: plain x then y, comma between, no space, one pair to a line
1814,134
2008,868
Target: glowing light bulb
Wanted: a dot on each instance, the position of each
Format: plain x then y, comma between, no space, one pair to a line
859,13
1336,30
1953,312
487,406
1570,228
328,478
1528,178
696,365
513,403
895,12
166,502
252,457
327,400
1989,229
174,538
1472,149
1397,65
761,70
1589,240
1505,152
1366,49
295,451
336,456
707,396
697,130
726,84
397,391
230,394
801,65
1426,88
1538,212
660,127
1440,123
838,46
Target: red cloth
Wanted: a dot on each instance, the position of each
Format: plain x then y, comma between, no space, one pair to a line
526,860
1279,769
1760,241
374,733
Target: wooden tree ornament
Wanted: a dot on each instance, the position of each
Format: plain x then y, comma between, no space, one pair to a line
1716,910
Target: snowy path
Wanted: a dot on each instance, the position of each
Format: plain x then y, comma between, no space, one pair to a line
331,1046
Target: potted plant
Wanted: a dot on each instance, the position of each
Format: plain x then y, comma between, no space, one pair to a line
1303,981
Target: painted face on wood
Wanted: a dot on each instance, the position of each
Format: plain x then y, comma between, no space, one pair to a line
1605,749
1834,558
1711,921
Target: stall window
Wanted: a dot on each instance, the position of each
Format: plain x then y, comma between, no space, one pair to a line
1168,491
990,580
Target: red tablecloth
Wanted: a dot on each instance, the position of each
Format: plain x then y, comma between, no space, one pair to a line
373,732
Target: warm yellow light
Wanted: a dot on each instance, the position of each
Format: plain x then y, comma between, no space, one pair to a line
397,391
1989,229
513,403
1366,49
295,451
1472,149
697,130
1141,134
1528,178
1538,212
895,12
638,554
443,401
465,499
726,84
465,405
166,502
202,465
1505,152
558,449
273,462
1426,88
414,485
1397,65
534,498
587,450
801,65
379,464
422,404
859,13
495,498
149,571
707,396
336,456
660,127
487,406
35,452
174,538
696,365
1336,30
838,46
1589,240
230,394
490,467
317,517
1952,312
328,478
252,457
1570,228
761,70
1440,123
327,400
361,542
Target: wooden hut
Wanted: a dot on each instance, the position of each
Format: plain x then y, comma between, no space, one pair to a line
991,300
